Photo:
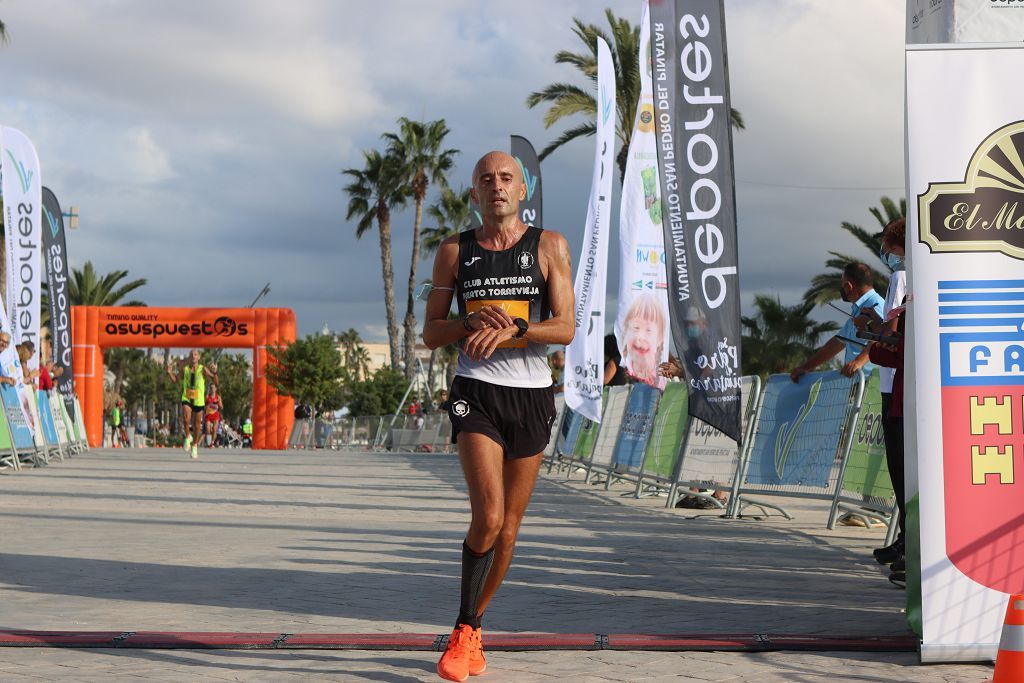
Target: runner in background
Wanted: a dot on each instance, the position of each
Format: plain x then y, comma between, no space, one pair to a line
213,407
193,375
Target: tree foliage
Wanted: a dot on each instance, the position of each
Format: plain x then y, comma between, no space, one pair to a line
309,370
777,338
373,191
380,394
234,383
450,215
825,286
568,99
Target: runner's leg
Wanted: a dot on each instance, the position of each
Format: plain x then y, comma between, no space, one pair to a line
197,426
520,476
186,416
482,465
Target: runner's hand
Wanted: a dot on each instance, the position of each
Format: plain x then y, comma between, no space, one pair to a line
481,344
493,316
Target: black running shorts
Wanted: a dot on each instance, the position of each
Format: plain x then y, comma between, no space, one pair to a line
519,419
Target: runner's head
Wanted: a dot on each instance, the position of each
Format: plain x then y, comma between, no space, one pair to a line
194,357
498,185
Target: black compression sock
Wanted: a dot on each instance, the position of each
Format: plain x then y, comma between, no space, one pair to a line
475,567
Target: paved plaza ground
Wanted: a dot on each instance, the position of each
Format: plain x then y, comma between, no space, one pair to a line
355,542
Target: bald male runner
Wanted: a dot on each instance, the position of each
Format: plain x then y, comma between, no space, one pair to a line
513,286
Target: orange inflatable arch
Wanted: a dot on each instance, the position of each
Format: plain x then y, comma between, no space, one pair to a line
95,328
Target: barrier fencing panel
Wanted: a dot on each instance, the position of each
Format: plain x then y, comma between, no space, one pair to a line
8,453
60,421
667,437
802,435
710,459
47,426
611,423
22,434
866,488
637,421
302,433
565,440
713,460
81,435
583,449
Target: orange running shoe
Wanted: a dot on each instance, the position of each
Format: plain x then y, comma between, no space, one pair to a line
477,661
454,664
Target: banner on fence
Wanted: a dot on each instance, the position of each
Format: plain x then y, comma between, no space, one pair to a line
21,431
668,432
711,457
641,322
636,427
966,185
691,98
611,425
799,429
866,470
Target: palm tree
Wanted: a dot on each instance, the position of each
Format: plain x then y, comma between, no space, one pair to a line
354,355
452,214
778,338
567,99
419,147
374,191
86,288
825,286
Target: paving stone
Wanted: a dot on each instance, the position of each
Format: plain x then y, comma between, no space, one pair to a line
347,542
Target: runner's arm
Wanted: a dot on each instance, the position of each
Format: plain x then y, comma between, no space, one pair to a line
560,327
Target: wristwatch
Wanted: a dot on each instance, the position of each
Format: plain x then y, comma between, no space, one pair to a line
522,325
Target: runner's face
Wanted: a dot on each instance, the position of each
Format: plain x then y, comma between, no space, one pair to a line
195,357
498,185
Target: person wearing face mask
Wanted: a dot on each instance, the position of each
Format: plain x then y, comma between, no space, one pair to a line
892,253
855,288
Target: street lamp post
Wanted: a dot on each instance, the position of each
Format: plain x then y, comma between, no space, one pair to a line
263,293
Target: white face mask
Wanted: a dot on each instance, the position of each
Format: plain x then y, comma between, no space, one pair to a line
893,261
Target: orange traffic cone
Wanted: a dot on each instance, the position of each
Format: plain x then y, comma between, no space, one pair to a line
1010,660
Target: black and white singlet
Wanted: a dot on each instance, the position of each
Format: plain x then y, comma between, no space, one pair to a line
511,279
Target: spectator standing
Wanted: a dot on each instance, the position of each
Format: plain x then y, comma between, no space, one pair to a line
893,253
614,375
856,289
557,362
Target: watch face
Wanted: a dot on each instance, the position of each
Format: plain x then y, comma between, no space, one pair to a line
522,325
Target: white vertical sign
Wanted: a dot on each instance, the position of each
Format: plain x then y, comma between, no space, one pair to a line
965,353
584,357
22,188
641,323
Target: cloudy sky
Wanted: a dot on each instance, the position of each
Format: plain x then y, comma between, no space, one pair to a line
203,142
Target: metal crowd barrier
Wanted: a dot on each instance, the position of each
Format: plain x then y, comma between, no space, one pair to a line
51,434
711,460
865,491
802,435
818,439
596,444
